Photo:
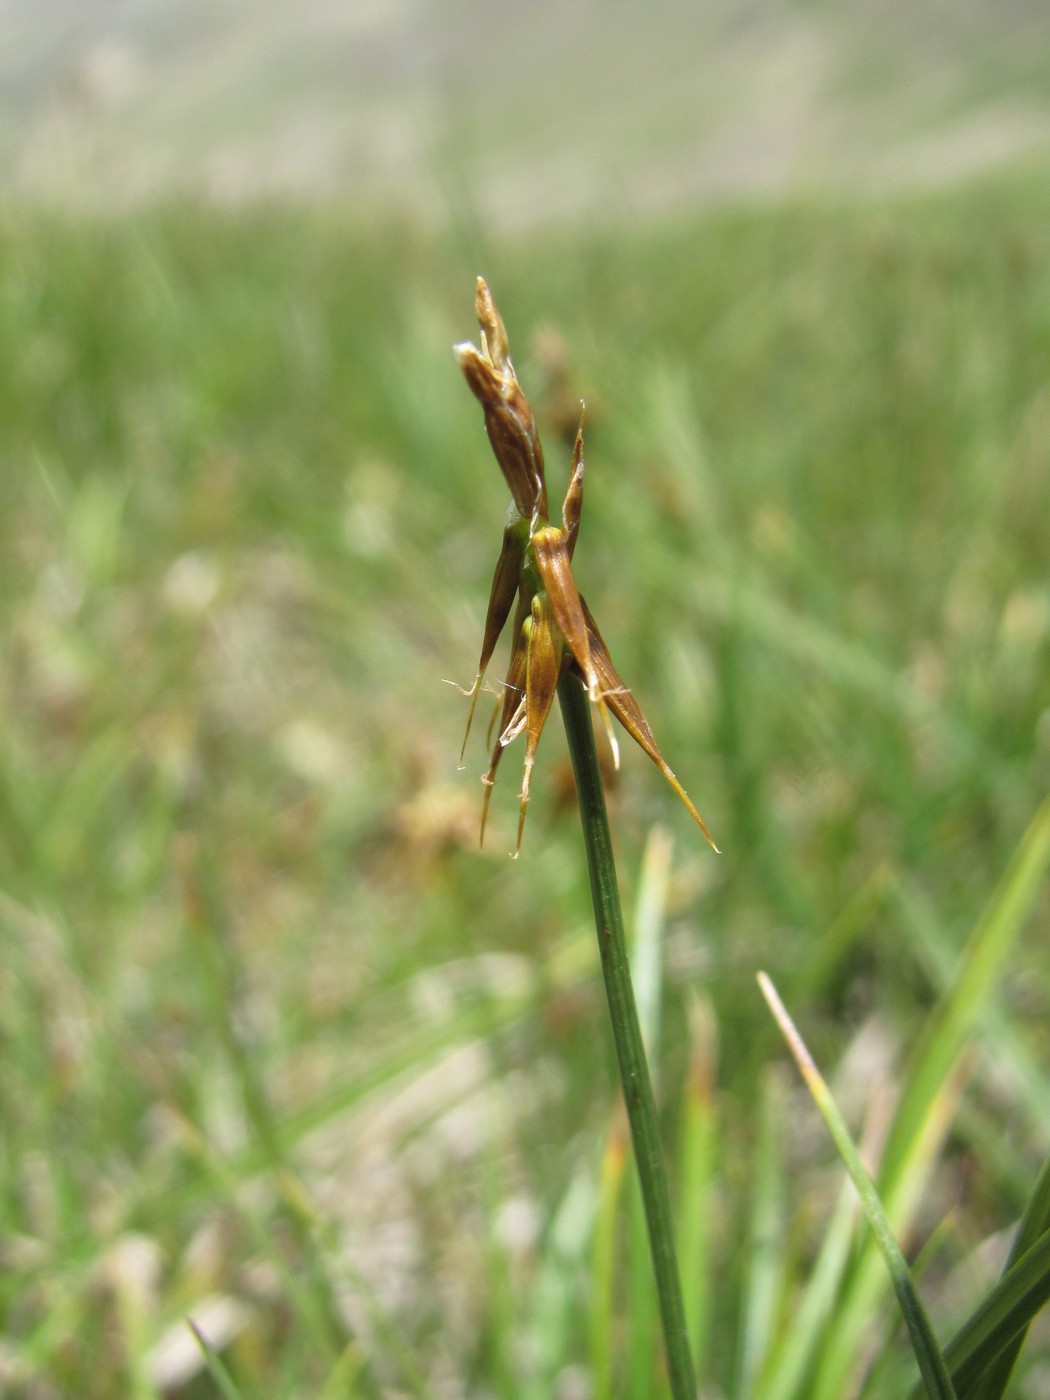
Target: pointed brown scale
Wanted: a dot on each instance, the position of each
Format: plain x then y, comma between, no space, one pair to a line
512,433
552,561
513,701
508,417
629,713
504,587
573,505
489,780
492,327
543,671
514,681
518,452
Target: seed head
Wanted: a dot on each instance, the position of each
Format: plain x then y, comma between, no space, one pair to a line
553,629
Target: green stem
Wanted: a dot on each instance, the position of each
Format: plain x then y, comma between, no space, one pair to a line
634,1070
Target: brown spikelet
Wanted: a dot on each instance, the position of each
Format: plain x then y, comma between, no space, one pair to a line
553,627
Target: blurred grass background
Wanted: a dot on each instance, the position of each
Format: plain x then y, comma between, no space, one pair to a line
281,1048
248,523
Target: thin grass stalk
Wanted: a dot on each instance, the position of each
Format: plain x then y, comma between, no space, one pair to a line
696,1170
1033,1226
646,962
766,1246
784,1377
343,1377
1001,1318
983,1351
983,959
932,1366
643,1374
627,1036
860,1306
226,1385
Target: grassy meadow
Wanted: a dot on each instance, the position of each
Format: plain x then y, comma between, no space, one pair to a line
282,1050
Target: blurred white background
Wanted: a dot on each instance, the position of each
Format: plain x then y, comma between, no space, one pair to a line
535,112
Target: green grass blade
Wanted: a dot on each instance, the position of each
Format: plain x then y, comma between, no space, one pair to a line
603,1269
1034,1224
216,1369
647,944
859,1312
1003,1315
935,1066
341,1379
983,1352
552,1311
928,1354
813,646
765,1248
642,1362
696,1172
647,979
798,1346
1013,1058
983,958
1013,1055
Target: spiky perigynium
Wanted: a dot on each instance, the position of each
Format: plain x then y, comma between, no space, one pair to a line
553,629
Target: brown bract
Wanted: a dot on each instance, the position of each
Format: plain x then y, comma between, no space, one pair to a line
553,629
508,417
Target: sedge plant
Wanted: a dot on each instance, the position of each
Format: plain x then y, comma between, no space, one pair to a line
557,648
